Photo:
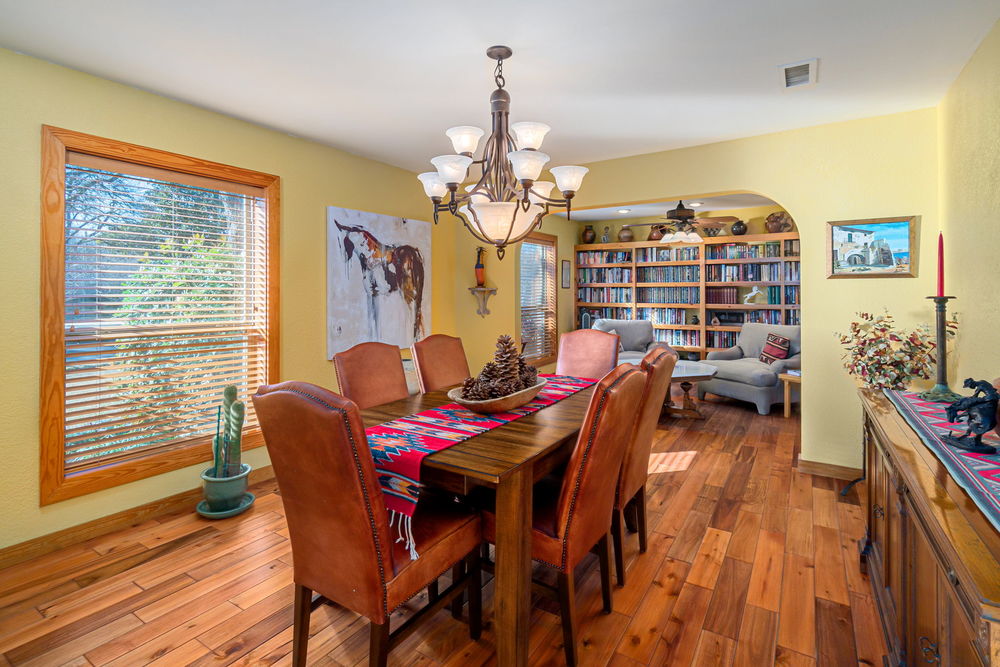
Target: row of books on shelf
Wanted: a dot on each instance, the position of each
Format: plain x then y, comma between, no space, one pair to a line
791,294
792,271
679,337
743,250
793,317
792,248
668,295
722,273
603,257
662,315
669,274
668,254
604,294
587,316
615,274
721,338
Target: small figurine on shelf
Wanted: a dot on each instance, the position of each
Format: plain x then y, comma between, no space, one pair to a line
750,298
695,320
979,412
606,236
480,268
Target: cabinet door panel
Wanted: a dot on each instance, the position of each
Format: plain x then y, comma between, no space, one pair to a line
958,646
923,639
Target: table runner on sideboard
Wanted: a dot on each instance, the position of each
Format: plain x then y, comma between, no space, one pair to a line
399,446
978,474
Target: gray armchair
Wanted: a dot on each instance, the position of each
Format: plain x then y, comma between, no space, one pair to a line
636,336
741,375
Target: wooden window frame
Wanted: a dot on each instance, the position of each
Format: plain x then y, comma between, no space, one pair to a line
55,485
554,241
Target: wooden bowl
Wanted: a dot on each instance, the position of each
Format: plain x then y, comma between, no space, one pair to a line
502,404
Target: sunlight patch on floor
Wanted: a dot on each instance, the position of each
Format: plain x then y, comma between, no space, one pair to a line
670,461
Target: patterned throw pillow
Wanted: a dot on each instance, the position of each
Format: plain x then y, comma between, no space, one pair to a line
614,332
775,348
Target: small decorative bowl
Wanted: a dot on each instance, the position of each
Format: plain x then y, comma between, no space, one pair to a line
502,404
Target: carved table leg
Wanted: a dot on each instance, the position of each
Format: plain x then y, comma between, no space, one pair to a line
690,406
512,596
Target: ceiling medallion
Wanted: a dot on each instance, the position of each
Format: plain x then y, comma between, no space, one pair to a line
507,202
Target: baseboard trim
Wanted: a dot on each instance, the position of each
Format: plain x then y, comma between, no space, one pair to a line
829,470
39,546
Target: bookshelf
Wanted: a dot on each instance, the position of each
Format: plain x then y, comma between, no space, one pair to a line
670,285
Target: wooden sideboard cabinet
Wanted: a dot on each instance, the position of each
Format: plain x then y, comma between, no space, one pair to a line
932,557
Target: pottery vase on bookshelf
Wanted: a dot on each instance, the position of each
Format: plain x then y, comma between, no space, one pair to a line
625,235
656,233
779,221
589,235
738,228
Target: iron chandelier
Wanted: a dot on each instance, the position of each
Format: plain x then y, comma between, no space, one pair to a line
508,201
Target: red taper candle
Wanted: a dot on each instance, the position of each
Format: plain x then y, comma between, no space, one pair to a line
940,291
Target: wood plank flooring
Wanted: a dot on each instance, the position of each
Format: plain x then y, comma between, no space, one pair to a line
749,563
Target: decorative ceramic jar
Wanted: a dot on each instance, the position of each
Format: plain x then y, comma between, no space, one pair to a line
589,235
625,235
655,233
738,228
779,221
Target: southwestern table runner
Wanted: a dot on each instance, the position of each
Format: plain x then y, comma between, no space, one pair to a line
398,446
978,474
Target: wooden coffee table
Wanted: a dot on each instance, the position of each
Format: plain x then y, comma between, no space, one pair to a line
687,373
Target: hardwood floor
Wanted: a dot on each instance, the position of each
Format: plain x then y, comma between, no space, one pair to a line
749,563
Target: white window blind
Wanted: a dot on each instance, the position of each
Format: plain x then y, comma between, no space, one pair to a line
538,298
166,303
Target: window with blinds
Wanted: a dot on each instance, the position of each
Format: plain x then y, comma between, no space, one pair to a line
538,297
165,301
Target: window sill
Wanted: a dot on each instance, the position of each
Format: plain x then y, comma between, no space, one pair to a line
57,485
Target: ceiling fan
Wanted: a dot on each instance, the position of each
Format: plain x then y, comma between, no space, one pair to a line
683,221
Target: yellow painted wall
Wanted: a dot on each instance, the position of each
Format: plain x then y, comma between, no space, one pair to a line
870,168
969,124
313,177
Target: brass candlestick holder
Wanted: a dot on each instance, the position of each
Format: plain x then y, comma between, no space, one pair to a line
941,392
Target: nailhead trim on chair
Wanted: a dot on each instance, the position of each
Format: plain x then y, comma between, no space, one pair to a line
364,492
583,461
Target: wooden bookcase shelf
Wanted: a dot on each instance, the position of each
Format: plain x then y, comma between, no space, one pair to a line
639,288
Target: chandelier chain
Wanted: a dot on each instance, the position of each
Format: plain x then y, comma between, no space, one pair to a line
498,75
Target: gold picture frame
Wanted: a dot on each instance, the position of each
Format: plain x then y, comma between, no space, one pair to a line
872,248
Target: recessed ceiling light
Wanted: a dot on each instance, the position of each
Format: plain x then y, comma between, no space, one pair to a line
695,204
623,211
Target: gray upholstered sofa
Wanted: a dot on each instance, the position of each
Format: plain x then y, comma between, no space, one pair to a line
636,338
741,375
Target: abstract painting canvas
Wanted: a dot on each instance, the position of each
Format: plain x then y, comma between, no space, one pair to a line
876,248
378,279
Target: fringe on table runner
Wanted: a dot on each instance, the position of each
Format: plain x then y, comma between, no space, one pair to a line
404,530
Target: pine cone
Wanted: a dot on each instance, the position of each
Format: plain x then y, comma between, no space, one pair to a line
527,373
506,359
472,390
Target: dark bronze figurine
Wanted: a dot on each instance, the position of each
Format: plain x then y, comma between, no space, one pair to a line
979,412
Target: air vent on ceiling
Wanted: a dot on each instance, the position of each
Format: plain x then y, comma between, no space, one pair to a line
802,73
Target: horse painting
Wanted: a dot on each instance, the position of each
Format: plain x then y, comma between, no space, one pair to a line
376,281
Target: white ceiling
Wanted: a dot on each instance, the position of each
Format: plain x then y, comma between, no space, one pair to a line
713,204
384,78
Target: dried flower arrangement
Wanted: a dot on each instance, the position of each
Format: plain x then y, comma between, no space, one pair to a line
884,356
506,374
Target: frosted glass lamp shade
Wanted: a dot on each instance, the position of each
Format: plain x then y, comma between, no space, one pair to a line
669,237
691,237
477,198
542,188
464,138
433,185
495,219
527,165
452,168
569,178
528,134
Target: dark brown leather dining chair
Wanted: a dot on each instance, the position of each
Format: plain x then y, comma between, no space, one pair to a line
371,374
587,353
440,362
572,515
658,364
339,528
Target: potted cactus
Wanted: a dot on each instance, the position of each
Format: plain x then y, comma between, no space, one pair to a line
225,483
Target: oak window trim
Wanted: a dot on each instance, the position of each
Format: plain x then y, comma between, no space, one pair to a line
54,484
552,240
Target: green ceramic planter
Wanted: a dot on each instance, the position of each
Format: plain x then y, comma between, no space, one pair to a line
225,496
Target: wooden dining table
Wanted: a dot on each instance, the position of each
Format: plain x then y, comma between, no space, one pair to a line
509,459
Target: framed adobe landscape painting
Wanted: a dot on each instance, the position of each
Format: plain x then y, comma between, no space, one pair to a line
874,248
